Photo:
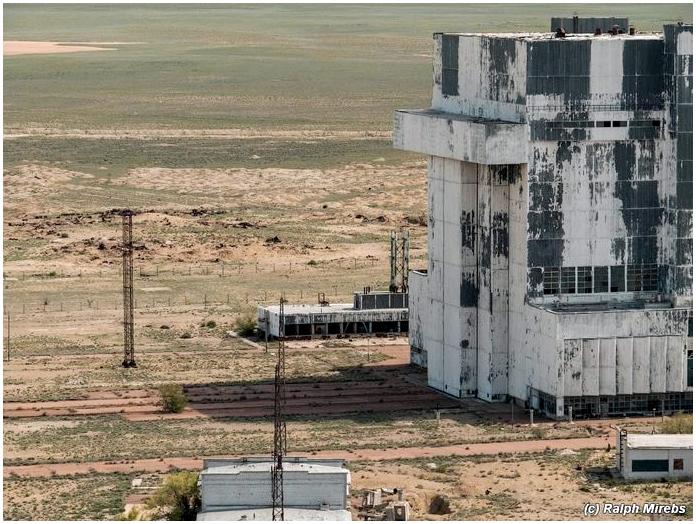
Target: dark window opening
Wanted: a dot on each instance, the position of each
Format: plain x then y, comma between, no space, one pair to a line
601,279
633,278
649,275
450,65
604,123
618,284
568,280
678,464
650,465
585,279
656,123
551,277
619,123
690,368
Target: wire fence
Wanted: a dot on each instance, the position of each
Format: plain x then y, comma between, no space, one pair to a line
221,269
160,300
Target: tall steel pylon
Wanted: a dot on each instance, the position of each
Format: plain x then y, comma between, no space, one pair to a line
279,428
398,261
127,252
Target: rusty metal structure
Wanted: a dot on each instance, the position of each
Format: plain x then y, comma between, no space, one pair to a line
127,254
279,427
398,262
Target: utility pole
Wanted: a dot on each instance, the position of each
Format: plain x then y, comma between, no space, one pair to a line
127,252
8,336
279,428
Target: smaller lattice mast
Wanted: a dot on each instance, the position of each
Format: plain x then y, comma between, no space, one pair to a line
127,252
398,262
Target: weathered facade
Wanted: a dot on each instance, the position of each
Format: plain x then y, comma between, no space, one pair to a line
560,220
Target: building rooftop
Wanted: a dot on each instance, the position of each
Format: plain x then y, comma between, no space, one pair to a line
316,309
594,307
532,37
266,514
265,467
657,441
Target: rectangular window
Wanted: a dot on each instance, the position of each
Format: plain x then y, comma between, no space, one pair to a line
450,65
618,284
604,123
601,279
650,465
551,278
633,278
568,280
585,279
690,368
619,123
649,274
678,465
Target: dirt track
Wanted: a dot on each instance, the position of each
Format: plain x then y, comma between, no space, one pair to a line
167,464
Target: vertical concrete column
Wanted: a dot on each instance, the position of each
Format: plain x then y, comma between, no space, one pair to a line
468,278
433,333
493,258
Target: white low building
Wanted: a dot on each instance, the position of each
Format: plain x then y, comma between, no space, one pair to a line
654,456
240,489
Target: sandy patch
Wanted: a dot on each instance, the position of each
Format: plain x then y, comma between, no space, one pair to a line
25,47
148,134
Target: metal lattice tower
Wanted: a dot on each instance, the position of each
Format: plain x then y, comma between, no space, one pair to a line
398,259
279,428
127,252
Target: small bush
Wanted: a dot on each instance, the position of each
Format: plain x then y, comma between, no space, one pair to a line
312,263
172,398
178,498
678,423
210,324
185,334
245,326
539,433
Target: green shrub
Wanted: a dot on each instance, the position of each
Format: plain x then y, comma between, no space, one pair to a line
678,423
245,326
172,398
178,498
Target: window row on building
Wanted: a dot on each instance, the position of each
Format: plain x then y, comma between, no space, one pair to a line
599,279
604,123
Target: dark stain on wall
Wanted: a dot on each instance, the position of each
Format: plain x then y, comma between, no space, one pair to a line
468,291
500,237
501,52
468,225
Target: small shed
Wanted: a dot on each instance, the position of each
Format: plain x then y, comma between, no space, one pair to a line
240,489
654,456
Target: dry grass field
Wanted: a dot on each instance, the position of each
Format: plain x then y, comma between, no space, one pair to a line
253,143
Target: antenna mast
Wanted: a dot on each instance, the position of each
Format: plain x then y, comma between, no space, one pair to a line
127,252
279,428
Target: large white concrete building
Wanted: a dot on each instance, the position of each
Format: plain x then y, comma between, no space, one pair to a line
559,220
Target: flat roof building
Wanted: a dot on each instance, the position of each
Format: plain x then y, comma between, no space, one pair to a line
559,220
240,489
371,313
641,456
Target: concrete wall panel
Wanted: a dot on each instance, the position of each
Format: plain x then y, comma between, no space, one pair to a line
607,366
641,365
